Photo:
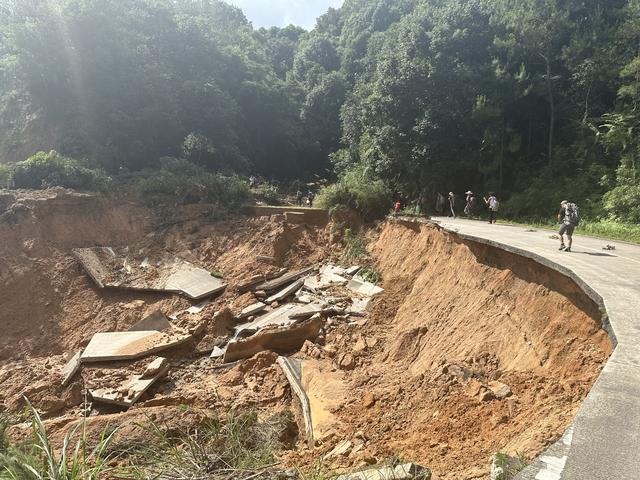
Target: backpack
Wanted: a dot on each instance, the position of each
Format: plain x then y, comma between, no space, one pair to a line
571,214
494,204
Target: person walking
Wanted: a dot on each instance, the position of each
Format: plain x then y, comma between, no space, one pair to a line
494,205
569,219
396,208
310,198
452,205
298,198
471,203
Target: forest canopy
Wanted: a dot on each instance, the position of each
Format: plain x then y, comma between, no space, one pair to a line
534,99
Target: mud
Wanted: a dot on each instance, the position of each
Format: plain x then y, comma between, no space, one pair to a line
414,378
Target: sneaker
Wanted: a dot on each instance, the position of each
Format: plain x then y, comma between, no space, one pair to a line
562,247
568,249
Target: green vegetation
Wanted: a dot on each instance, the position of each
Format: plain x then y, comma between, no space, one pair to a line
358,189
355,247
534,99
37,458
236,447
5,176
510,466
44,170
183,182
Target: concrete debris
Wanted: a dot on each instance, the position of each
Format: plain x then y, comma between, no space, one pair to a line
252,310
315,309
609,247
265,258
286,292
405,471
156,321
324,280
294,217
283,280
351,271
112,346
342,449
71,367
118,268
359,306
361,286
197,308
131,389
292,370
280,340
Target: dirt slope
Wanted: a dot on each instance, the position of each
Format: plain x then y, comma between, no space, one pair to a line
454,317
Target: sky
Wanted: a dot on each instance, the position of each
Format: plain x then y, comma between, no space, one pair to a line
279,13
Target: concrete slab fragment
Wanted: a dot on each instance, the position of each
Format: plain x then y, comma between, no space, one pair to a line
283,280
252,309
405,471
363,287
112,346
292,370
131,389
119,268
324,280
156,321
71,367
359,306
285,292
280,340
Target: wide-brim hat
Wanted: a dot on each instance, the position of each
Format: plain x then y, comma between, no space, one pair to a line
468,193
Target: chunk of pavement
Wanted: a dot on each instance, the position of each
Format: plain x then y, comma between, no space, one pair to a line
323,281
341,449
252,309
363,287
283,280
291,367
266,258
112,346
118,268
294,217
359,306
155,367
352,270
279,340
314,309
156,321
285,292
279,316
132,388
404,471
71,367
499,389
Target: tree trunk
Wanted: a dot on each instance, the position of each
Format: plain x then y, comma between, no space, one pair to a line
501,156
552,111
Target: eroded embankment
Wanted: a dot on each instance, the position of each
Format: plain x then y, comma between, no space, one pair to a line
455,317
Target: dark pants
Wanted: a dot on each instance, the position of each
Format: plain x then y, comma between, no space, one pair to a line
492,216
566,229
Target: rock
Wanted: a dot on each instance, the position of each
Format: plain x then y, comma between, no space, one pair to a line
50,405
500,390
368,400
346,361
486,395
73,395
342,449
155,367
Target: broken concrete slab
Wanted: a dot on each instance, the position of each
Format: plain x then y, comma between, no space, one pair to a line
294,217
359,306
279,316
118,268
404,471
352,270
292,370
112,346
252,309
266,258
361,286
131,389
341,449
324,280
285,292
71,367
279,340
315,309
283,280
156,321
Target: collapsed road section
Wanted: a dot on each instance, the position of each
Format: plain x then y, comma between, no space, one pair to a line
459,352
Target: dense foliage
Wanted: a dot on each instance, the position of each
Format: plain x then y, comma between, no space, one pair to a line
535,99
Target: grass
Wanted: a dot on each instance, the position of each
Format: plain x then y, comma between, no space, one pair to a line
604,228
36,459
510,466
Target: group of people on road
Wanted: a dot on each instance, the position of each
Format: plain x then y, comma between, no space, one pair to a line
471,205
304,199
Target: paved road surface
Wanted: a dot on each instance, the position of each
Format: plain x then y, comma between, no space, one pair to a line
603,442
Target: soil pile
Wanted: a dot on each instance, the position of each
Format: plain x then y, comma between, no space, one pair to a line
469,351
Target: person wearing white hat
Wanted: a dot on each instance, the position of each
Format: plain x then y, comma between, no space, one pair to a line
470,207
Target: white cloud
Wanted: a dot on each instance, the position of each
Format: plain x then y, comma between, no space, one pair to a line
267,13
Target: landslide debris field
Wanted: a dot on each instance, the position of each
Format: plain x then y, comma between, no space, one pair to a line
463,351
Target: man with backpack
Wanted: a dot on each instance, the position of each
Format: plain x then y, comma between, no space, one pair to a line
493,204
569,218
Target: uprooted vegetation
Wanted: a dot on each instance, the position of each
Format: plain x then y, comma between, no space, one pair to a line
467,351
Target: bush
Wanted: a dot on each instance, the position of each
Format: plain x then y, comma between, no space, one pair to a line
187,183
6,176
623,203
359,190
44,170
